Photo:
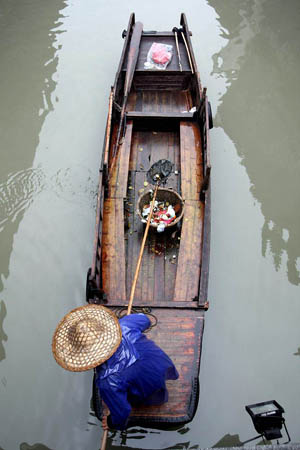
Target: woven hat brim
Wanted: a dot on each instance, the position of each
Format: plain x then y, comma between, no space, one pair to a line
84,357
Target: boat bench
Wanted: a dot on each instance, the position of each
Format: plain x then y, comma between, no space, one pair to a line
159,115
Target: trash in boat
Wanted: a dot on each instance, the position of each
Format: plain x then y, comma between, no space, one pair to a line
159,56
167,211
161,227
163,214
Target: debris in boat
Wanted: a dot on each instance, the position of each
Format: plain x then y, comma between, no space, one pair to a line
192,110
146,183
163,214
161,227
158,56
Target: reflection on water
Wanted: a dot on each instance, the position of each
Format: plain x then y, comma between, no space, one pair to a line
25,446
28,65
19,190
3,336
298,352
229,440
263,120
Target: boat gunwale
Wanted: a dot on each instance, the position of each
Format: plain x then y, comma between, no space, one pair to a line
95,292
203,278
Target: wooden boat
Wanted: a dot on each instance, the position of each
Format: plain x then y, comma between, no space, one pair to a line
166,115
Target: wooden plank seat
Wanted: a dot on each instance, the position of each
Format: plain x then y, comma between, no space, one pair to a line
189,258
160,115
159,101
191,161
184,349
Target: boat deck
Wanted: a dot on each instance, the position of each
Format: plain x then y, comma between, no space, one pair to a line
170,268
168,282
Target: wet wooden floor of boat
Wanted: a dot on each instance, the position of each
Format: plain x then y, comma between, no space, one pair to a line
184,348
171,262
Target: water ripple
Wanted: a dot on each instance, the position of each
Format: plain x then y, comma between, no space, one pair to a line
76,185
17,193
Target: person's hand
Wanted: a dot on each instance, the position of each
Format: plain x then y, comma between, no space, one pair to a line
104,423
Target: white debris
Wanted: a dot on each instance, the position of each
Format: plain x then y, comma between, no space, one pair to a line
171,211
161,227
146,212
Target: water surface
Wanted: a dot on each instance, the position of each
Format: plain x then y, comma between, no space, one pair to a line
58,60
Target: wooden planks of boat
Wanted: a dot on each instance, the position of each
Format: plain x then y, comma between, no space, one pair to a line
157,114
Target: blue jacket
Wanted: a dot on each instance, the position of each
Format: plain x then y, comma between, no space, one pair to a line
135,374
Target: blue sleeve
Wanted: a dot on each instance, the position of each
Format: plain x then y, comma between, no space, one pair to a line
115,398
139,321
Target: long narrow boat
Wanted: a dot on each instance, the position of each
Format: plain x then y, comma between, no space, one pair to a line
157,114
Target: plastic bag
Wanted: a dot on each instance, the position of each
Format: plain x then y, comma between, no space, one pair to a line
159,56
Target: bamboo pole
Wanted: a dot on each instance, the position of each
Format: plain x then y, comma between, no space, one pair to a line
137,270
108,127
188,52
138,266
104,440
178,52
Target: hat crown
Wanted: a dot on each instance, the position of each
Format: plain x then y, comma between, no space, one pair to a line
85,333
86,337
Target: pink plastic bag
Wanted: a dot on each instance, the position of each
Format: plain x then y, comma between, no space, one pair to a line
159,56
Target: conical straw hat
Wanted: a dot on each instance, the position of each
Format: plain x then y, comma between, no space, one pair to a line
86,337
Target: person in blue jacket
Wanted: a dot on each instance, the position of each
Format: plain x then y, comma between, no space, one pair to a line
131,369
135,374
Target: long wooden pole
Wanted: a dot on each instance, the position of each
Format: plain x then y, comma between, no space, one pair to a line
138,266
137,270
178,52
108,127
104,440
188,52
132,58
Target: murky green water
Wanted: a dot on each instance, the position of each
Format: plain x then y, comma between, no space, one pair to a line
58,60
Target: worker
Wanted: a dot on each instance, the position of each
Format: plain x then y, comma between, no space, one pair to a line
131,369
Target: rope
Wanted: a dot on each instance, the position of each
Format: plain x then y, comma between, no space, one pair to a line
121,312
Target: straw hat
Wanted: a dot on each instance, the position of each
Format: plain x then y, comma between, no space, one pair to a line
86,337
